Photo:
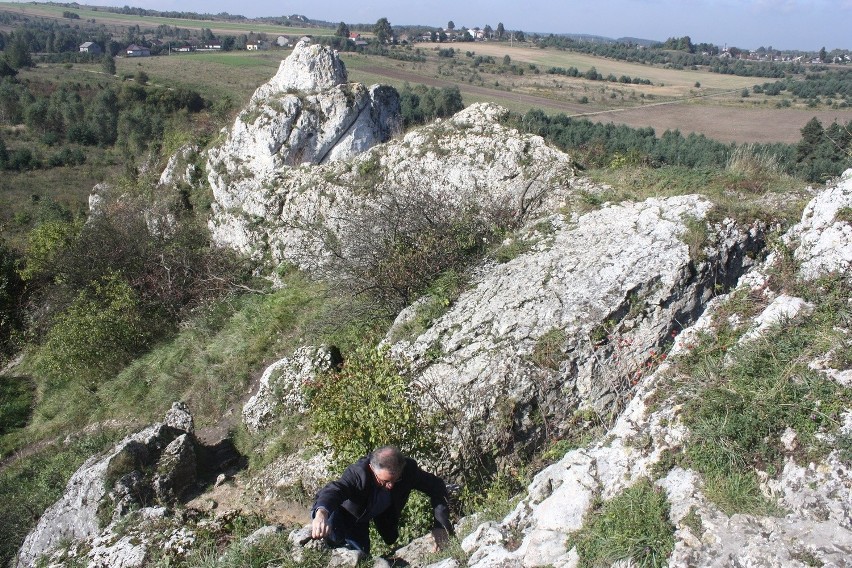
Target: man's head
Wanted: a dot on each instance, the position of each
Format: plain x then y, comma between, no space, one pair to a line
387,464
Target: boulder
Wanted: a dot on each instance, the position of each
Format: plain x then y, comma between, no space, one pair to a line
280,391
108,486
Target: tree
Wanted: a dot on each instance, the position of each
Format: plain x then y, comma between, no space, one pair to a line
11,293
487,31
18,53
812,137
108,64
451,25
501,31
383,31
6,70
823,55
342,30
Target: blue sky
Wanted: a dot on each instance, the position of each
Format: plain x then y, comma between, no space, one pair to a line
782,24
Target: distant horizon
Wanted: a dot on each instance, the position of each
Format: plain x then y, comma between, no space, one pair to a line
798,25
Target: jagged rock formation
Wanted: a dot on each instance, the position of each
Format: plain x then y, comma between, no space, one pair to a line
107,487
815,498
307,114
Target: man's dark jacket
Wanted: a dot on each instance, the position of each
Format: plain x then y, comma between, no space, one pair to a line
353,490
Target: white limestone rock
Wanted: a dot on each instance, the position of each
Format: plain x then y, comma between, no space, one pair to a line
75,516
823,238
616,282
310,68
281,388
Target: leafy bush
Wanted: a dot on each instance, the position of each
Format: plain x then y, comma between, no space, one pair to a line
99,333
368,403
421,103
12,297
633,525
392,248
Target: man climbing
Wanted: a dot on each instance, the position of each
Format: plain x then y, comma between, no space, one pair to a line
376,488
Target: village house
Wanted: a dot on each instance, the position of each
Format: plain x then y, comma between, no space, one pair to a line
90,47
283,41
134,50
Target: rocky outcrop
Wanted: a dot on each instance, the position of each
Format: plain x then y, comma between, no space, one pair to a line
814,497
291,215
572,323
309,69
108,486
307,114
281,389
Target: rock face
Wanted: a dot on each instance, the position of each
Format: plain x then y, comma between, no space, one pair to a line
823,240
572,323
307,114
310,69
108,486
815,527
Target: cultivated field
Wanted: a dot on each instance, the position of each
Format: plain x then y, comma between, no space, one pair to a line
115,22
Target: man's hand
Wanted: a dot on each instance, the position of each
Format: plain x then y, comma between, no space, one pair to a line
319,526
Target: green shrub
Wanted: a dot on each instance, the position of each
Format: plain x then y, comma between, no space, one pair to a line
368,403
633,525
99,333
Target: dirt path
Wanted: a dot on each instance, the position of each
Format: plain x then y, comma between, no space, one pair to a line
723,123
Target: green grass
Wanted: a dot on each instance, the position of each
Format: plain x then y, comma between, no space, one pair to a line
740,398
734,196
208,364
212,361
16,399
632,525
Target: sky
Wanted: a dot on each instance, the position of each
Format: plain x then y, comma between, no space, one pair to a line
748,24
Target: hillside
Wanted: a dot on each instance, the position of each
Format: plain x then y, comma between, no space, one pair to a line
609,375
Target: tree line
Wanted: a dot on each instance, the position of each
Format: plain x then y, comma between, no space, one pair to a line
822,153
833,84
73,116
